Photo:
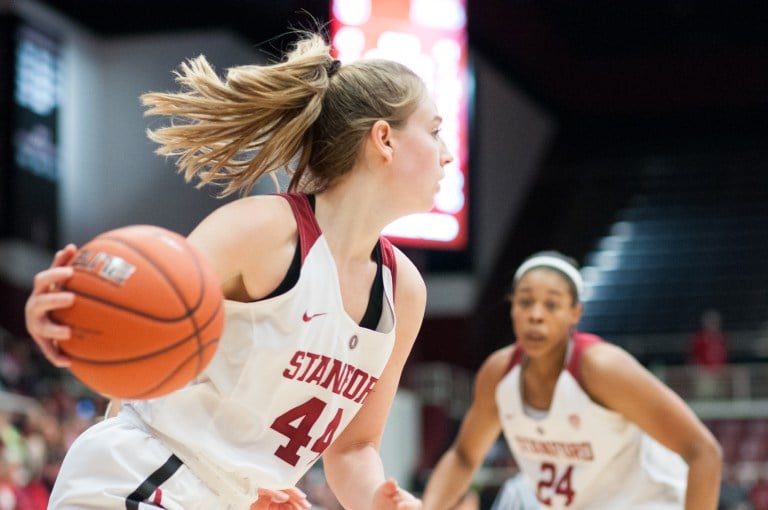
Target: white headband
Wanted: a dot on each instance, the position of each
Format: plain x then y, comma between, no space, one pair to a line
555,263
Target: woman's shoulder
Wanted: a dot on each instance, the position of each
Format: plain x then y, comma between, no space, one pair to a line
260,228
259,218
258,210
495,366
603,357
410,284
604,367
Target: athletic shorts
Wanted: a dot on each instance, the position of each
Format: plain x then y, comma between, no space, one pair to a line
117,465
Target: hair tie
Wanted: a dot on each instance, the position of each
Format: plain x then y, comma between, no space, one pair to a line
333,67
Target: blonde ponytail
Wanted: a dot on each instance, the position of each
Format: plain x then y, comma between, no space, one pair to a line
256,121
305,115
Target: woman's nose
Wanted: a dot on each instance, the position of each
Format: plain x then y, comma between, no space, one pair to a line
536,312
446,156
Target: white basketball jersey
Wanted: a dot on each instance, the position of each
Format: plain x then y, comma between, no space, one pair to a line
580,455
289,375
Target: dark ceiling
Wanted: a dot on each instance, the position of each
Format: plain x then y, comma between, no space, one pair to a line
589,62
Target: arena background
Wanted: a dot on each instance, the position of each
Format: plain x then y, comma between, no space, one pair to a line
631,135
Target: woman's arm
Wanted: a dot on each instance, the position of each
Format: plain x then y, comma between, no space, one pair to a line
113,408
352,462
617,381
479,430
250,242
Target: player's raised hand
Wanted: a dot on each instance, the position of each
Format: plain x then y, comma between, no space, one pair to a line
286,499
46,297
389,496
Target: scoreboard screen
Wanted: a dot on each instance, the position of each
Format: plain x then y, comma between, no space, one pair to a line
428,36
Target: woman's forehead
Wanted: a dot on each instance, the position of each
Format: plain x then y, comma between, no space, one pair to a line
542,276
426,110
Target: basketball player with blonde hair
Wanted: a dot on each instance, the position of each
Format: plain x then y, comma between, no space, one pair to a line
589,427
321,311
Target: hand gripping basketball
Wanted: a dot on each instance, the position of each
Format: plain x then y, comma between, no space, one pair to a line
147,314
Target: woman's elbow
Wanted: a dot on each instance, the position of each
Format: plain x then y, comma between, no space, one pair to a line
706,450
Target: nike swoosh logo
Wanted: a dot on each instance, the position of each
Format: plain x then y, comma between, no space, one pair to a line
306,317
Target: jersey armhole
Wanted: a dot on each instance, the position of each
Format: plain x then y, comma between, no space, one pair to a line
303,208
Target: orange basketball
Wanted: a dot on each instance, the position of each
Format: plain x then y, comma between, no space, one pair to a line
147,315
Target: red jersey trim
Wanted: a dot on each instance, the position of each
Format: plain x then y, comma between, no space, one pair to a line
309,232
515,359
306,223
581,341
388,259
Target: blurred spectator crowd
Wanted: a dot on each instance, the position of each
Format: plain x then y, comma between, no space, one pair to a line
42,410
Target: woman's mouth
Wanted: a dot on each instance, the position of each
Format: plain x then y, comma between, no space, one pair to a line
534,337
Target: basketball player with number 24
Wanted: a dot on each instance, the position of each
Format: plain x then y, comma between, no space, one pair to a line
321,312
589,427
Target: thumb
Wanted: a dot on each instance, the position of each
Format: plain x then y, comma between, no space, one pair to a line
390,486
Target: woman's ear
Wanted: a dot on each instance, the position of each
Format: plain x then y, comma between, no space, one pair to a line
578,309
380,138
